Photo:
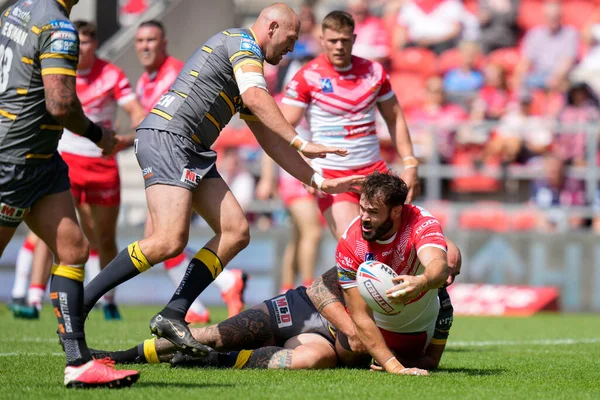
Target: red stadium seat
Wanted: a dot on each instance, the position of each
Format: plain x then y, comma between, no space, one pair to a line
525,220
409,88
508,58
531,14
451,59
487,216
577,12
415,60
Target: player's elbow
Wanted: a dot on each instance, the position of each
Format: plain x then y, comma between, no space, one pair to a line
61,110
253,97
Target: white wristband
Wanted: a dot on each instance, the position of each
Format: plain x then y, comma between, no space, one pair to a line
318,180
302,145
410,166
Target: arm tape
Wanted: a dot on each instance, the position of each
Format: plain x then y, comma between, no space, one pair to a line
246,80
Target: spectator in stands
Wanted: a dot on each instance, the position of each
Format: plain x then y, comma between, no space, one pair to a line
433,24
579,114
555,191
549,51
520,136
465,78
493,98
234,173
498,24
588,70
435,117
372,38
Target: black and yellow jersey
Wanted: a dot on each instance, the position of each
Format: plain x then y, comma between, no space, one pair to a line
36,39
205,95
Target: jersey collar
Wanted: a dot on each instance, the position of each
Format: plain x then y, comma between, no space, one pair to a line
62,3
254,36
388,241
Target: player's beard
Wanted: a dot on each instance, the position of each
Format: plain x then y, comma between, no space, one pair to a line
380,231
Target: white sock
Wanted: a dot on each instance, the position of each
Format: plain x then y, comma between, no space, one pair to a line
35,296
92,269
176,275
225,280
22,272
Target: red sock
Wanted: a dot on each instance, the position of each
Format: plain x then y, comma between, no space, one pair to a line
174,262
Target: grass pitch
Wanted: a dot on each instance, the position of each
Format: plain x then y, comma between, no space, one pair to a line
545,357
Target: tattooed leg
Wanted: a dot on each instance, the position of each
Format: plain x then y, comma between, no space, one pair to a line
270,358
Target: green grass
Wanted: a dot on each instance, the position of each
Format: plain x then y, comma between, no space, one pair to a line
486,358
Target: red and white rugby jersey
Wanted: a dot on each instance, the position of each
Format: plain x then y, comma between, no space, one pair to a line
151,86
418,230
341,108
100,89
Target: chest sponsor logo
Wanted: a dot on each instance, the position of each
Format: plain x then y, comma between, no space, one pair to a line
387,253
12,214
326,85
283,314
190,177
22,15
425,225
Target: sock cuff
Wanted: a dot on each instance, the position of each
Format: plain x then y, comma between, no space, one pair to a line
29,245
150,351
76,273
37,286
93,252
138,258
242,358
211,260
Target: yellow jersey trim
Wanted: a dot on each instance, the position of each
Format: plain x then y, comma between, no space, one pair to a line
36,30
207,49
27,60
62,56
240,53
228,101
8,115
185,96
246,62
161,114
249,117
194,73
226,33
214,121
58,71
51,127
254,36
22,91
38,156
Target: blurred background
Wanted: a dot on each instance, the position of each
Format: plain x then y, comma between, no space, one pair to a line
501,97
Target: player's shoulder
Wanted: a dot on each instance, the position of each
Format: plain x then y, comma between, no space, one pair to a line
173,63
419,218
353,232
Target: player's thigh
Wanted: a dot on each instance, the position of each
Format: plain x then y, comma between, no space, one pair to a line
215,202
6,233
53,219
86,221
169,208
305,214
105,221
311,351
340,215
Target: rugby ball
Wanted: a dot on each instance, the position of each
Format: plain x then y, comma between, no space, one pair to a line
374,278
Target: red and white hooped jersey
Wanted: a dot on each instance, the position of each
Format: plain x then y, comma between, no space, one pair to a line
100,89
151,86
340,108
418,230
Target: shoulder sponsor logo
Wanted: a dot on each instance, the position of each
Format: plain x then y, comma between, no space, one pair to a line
12,214
425,224
344,260
326,85
62,24
66,35
190,177
62,46
283,314
252,46
345,275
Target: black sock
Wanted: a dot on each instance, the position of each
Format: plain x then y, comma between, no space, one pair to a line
128,263
129,356
66,293
201,272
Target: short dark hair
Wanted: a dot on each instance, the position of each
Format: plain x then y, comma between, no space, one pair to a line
338,20
387,187
86,28
153,23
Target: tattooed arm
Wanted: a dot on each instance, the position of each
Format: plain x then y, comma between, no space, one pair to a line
326,295
62,102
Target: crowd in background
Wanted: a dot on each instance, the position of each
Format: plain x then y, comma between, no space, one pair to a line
484,85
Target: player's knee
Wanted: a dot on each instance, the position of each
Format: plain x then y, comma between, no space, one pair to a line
240,235
309,358
169,245
76,253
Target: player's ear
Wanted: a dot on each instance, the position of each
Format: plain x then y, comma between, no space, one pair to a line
396,212
273,25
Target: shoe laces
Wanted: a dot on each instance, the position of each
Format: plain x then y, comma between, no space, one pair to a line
107,361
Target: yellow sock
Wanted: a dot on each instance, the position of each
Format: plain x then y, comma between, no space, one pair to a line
242,359
150,351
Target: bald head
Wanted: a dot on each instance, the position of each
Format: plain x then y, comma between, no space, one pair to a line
277,29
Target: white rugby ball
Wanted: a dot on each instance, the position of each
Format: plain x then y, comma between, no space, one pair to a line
374,278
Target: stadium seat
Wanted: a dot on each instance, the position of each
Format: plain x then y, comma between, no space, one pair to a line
488,216
451,59
508,58
577,12
476,182
409,88
525,220
415,60
531,14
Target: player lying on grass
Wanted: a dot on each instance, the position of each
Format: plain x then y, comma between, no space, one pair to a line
291,332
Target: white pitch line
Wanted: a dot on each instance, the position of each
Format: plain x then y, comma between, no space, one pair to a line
55,340
539,342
